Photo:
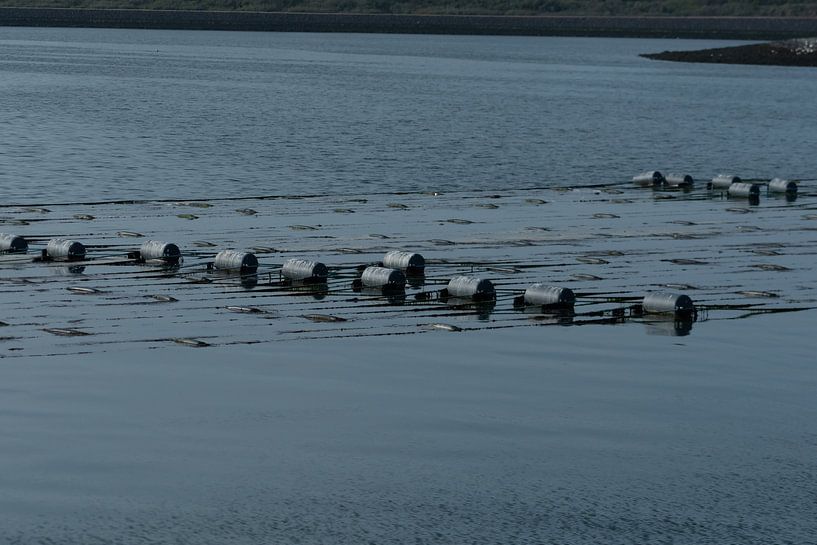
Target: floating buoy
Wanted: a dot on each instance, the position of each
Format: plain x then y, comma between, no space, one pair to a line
61,248
161,251
679,180
12,243
303,270
723,181
778,185
668,303
649,178
407,261
471,287
233,260
383,277
542,294
744,190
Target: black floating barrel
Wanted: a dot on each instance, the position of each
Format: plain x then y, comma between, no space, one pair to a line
723,181
471,287
542,294
778,185
158,250
383,277
649,178
668,303
744,190
233,260
302,269
62,248
12,243
680,180
407,261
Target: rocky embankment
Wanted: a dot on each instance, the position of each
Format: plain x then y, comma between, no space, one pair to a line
798,52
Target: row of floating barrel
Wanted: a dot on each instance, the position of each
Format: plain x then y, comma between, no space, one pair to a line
387,276
733,185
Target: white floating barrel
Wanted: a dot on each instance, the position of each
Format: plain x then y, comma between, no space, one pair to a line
302,269
542,294
668,303
383,277
723,181
155,249
471,287
649,178
62,248
233,260
407,261
778,185
744,190
679,180
12,243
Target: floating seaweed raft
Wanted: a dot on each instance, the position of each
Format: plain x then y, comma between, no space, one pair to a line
622,254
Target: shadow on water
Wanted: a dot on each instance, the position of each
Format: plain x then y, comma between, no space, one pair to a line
669,326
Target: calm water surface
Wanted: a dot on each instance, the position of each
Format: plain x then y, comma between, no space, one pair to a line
583,434
123,114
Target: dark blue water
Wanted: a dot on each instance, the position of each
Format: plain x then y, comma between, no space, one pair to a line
133,114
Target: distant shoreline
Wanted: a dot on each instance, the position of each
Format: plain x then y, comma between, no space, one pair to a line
789,53
739,28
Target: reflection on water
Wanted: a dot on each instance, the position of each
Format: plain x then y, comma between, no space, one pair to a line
557,317
416,280
249,281
482,309
317,290
669,326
